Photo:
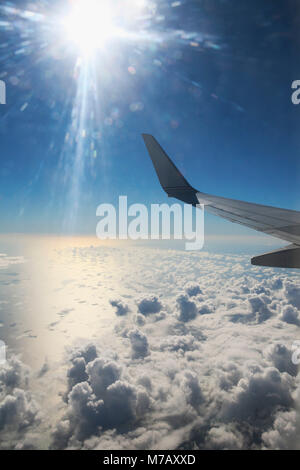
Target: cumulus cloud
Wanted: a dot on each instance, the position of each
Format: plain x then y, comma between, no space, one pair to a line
178,343
207,368
187,309
192,289
259,307
192,389
284,433
205,308
257,396
140,319
79,359
281,357
103,401
224,437
290,314
292,293
139,344
19,410
121,307
101,374
149,304
218,375
16,409
125,403
14,374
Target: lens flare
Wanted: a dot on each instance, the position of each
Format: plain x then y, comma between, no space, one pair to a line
95,60
89,24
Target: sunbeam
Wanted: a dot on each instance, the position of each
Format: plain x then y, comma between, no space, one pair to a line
89,24
89,55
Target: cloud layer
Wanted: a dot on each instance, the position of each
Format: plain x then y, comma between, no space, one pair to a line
203,364
196,353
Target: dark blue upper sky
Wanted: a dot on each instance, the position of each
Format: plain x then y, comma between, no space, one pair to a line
210,79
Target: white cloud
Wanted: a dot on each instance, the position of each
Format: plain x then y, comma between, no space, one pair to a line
280,356
139,344
223,437
290,314
292,293
180,365
149,304
187,308
193,289
6,261
284,433
210,369
121,307
19,411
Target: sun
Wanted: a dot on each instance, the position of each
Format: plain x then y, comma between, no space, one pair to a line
89,24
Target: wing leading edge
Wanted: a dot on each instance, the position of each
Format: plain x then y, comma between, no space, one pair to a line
280,223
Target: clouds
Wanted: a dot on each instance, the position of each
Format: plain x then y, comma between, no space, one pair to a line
200,368
192,389
281,356
121,308
284,434
6,261
19,410
178,343
14,374
139,344
257,396
101,374
192,289
149,304
104,401
187,309
79,359
291,315
202,359
259,307
292,293
125,403
223,437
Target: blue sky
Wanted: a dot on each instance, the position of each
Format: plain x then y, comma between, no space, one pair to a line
137,347
212,82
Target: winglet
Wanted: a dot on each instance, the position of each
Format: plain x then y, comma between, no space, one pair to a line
170,178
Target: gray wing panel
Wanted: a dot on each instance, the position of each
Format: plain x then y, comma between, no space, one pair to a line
281,223
288,257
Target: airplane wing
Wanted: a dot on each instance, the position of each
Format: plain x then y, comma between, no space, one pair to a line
280,223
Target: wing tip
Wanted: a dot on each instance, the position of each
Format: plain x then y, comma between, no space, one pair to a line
170,178
147,136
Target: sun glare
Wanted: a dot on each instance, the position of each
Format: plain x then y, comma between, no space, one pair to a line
89,24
